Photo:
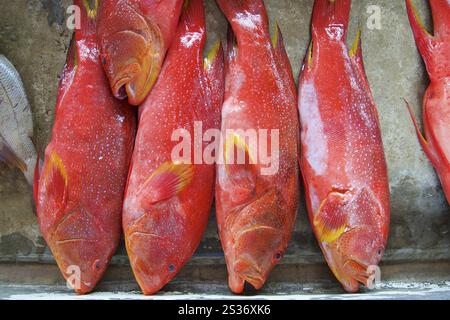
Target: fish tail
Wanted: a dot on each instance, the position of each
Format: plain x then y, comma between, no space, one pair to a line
441,17
246,17
423,142
215,76
283,58
193,17
231,50
332,17
424,39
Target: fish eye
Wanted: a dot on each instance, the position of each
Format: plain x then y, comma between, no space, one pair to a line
278,256
171,268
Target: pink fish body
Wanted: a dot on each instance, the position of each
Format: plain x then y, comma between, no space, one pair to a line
168,202
256,208
342,161
79,195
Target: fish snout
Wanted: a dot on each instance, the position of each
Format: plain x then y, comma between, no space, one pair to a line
82,268
155,260
258,250
249,272
132,61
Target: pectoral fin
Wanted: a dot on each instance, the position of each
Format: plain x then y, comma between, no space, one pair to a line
239,166
166,181
56,181
331,220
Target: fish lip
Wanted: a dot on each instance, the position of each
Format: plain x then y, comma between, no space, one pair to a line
253,276
120,88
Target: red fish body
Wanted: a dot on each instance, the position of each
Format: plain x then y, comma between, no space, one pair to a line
435,50
80,192
256,209
342,162
134,38
168,202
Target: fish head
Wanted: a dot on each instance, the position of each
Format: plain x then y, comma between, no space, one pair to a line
259,242
132,51
82,249
355,255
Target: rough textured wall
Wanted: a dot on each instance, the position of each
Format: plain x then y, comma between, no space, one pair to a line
34,37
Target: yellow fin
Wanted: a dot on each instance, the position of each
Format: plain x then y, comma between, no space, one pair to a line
310,53
236,140
91,11
330,222
275,35
168,180
355,45
212,54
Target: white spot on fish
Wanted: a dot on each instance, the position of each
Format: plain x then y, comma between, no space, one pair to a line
190,39
248,20
335,31
120,118
313,130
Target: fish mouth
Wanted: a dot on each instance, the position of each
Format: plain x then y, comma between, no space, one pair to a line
249,273
135,81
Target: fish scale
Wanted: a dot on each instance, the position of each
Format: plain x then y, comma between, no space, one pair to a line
16,120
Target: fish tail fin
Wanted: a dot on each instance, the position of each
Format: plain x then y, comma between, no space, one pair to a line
193,17
88,15
247,17
283,58
231,50
356,55
441,14
331,17
215,76
8,156
423,142
424,39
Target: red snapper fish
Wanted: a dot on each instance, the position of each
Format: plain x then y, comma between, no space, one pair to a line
134,37
435,50
168,201
80,191
342,161
256,199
